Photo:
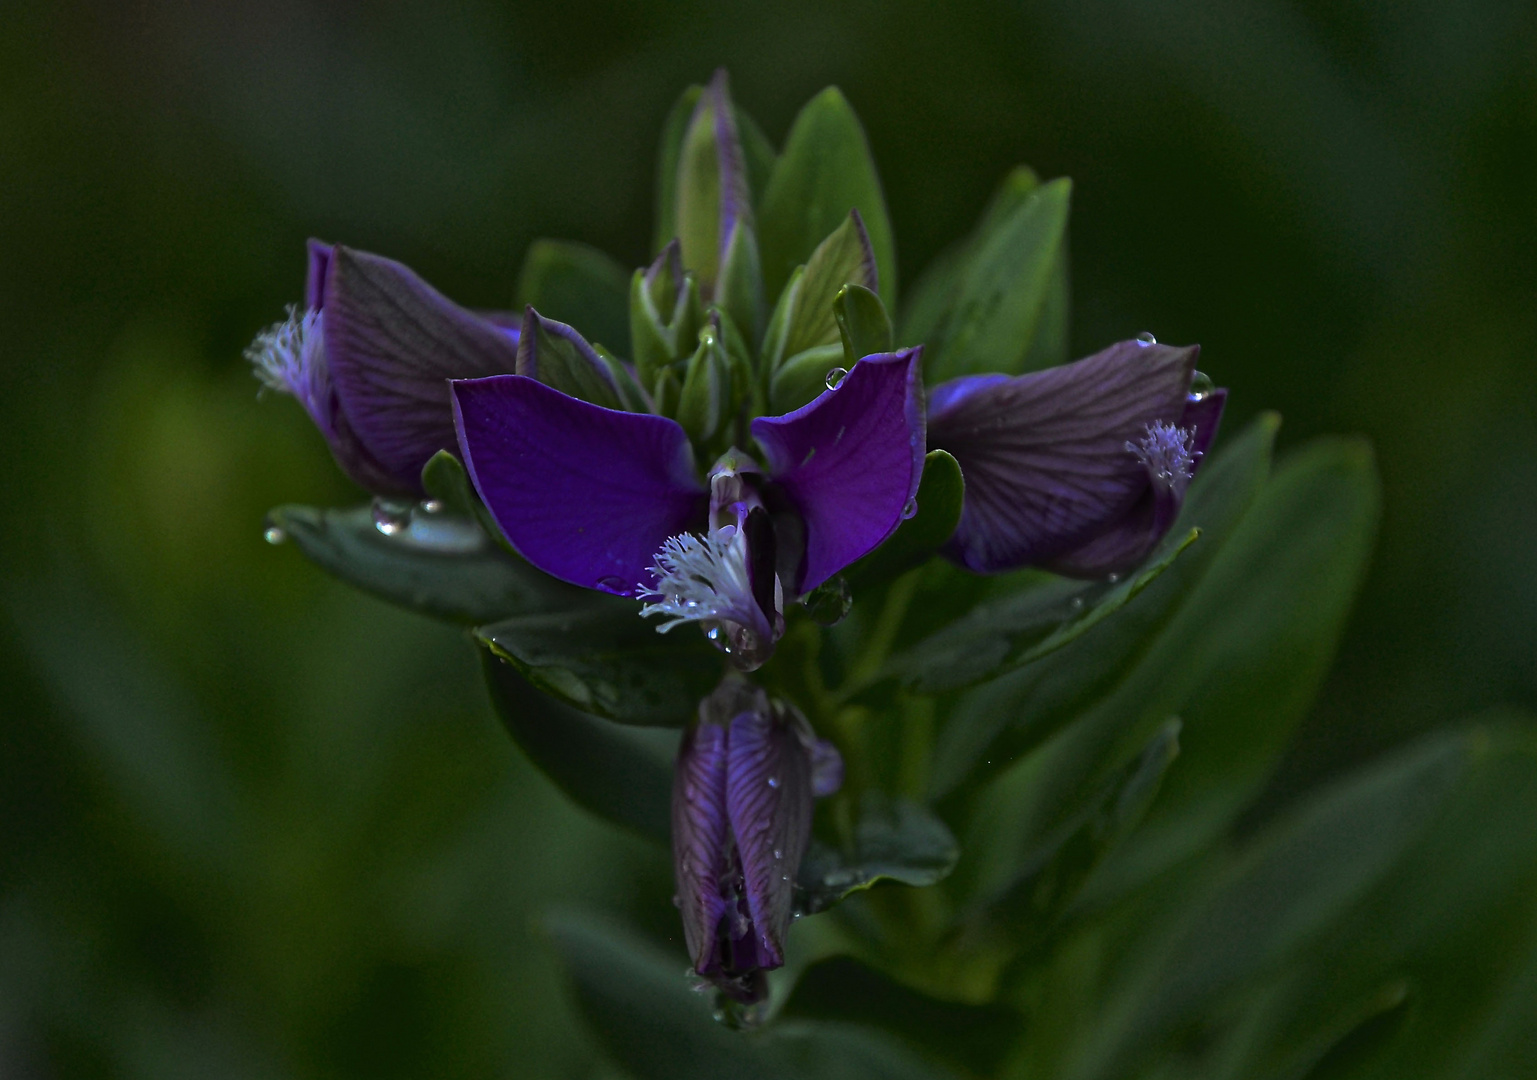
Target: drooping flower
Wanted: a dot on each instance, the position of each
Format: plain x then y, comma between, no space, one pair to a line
741,820
369,357
614,501
1081,468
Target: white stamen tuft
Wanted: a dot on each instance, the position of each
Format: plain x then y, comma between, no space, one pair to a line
1167,451
701,579
281,356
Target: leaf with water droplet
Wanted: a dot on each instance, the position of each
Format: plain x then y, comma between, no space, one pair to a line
894,840
441,565
829,603
863,324
604,659
924,532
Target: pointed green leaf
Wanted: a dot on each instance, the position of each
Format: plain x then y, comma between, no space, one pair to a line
825,171
669,152
440,564
802,377
843,258
1002,294
577,284
894,840
571,367
604,659
619,772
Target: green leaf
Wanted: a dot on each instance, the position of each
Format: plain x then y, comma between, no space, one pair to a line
739,292
654,1026
825,171
940,494
975,1038
560,363
441,564
620,773
863,324
894,840
1016,630
998,723
843,258
1002,294
577,284
606,660
802,377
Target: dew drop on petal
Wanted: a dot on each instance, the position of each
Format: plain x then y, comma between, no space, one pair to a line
909,509
1200,386
778,854
274,535
773,781
836,376
613,584
1146,338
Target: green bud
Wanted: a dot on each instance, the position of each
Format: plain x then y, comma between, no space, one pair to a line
705,403
665,314
863,323
558,356
804,319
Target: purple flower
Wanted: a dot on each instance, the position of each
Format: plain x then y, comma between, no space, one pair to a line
369,357
614,500
1081,468
741,819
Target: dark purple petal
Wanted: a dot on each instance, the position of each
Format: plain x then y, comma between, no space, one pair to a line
850,460
392,343
1132,538
768,802
1044,454
315,281
584,493
700,841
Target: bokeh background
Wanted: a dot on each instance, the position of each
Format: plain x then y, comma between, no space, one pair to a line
253,824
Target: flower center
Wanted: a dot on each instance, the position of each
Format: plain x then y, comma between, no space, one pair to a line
705,579
1167,453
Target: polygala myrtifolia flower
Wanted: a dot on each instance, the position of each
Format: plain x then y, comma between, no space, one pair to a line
741,820
743,456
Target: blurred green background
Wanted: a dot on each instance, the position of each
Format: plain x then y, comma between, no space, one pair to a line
253,824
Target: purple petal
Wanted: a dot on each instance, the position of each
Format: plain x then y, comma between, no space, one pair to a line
393,342
1132,538
1044,454
700,841
584,493
768,801
315,281
826,768
850,460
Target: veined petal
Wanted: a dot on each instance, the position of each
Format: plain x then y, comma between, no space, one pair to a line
700,842
850,460
1132,538
1044,454
393,342
315,280
768,802
585,493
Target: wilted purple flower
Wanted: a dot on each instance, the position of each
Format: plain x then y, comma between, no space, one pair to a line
369,357
1080,468
614,501
741,820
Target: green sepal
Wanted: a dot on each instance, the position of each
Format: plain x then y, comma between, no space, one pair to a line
941,493
442,564
825,171
863,324
739,292
665,318
706,396
632,398
561,365
444,478
604,659
576,284
620,773
893,840
757,151
843,257
665,393
703,169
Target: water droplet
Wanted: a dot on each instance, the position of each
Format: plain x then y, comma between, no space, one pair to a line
1112,578
1146,338
1201,386
274,535
432,506
1077,604
613,584
778,854
909,509
773,782
390,517
836,376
